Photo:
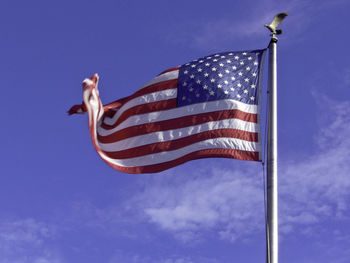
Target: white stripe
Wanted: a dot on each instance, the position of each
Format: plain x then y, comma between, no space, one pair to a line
147,98
166,76
193,109
218,143
178,133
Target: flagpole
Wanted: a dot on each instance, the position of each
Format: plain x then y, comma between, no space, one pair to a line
272,183
272,180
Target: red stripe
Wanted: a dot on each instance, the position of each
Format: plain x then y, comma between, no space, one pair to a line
208,153
182,142
169,70
142,109
177,123
164,85
167,84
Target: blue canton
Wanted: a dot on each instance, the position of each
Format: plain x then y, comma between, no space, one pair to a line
228,75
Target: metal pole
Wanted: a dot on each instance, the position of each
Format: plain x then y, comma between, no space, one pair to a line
272,183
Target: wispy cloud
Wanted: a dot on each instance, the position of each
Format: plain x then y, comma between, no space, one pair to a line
24,241
221,200
236,27
248,26
122,256
319,186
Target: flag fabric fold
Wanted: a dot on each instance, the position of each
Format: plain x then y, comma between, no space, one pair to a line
208,107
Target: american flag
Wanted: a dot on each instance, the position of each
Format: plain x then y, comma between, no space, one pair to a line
206,108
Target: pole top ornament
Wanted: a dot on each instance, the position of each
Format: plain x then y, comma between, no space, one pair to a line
275,22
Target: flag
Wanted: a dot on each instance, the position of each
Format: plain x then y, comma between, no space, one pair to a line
208,107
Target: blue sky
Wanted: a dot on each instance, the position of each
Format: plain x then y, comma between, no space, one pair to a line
61,203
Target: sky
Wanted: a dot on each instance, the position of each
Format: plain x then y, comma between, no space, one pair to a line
61,203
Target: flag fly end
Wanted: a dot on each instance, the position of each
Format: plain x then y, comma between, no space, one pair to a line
91,81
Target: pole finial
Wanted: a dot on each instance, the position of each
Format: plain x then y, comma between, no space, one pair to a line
275,22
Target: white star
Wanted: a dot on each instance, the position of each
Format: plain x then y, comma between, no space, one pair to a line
227,71
206,74
199,70
193,66
244,53
239,85
234,67
245,91
220,75
256,63
246,80
221,64
195,60
252,98
212,80
252,86
215,60
208,57
217,55
207,64
219,86
223,57
250,58
233,78
228,61
238,96
187,64
211,93
226,82
240,73
236,57
198,81
230,54
184,97
186,71
191,89
254,74
213,69
232,89
241,63
184,84
205,87
247,68
197,95
201,61
226,92
192,76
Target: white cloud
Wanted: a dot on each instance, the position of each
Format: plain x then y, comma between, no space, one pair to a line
318,187
26,230
220,200
232,29
122,256
24,241
302,14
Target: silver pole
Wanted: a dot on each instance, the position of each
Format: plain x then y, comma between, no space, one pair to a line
272,183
